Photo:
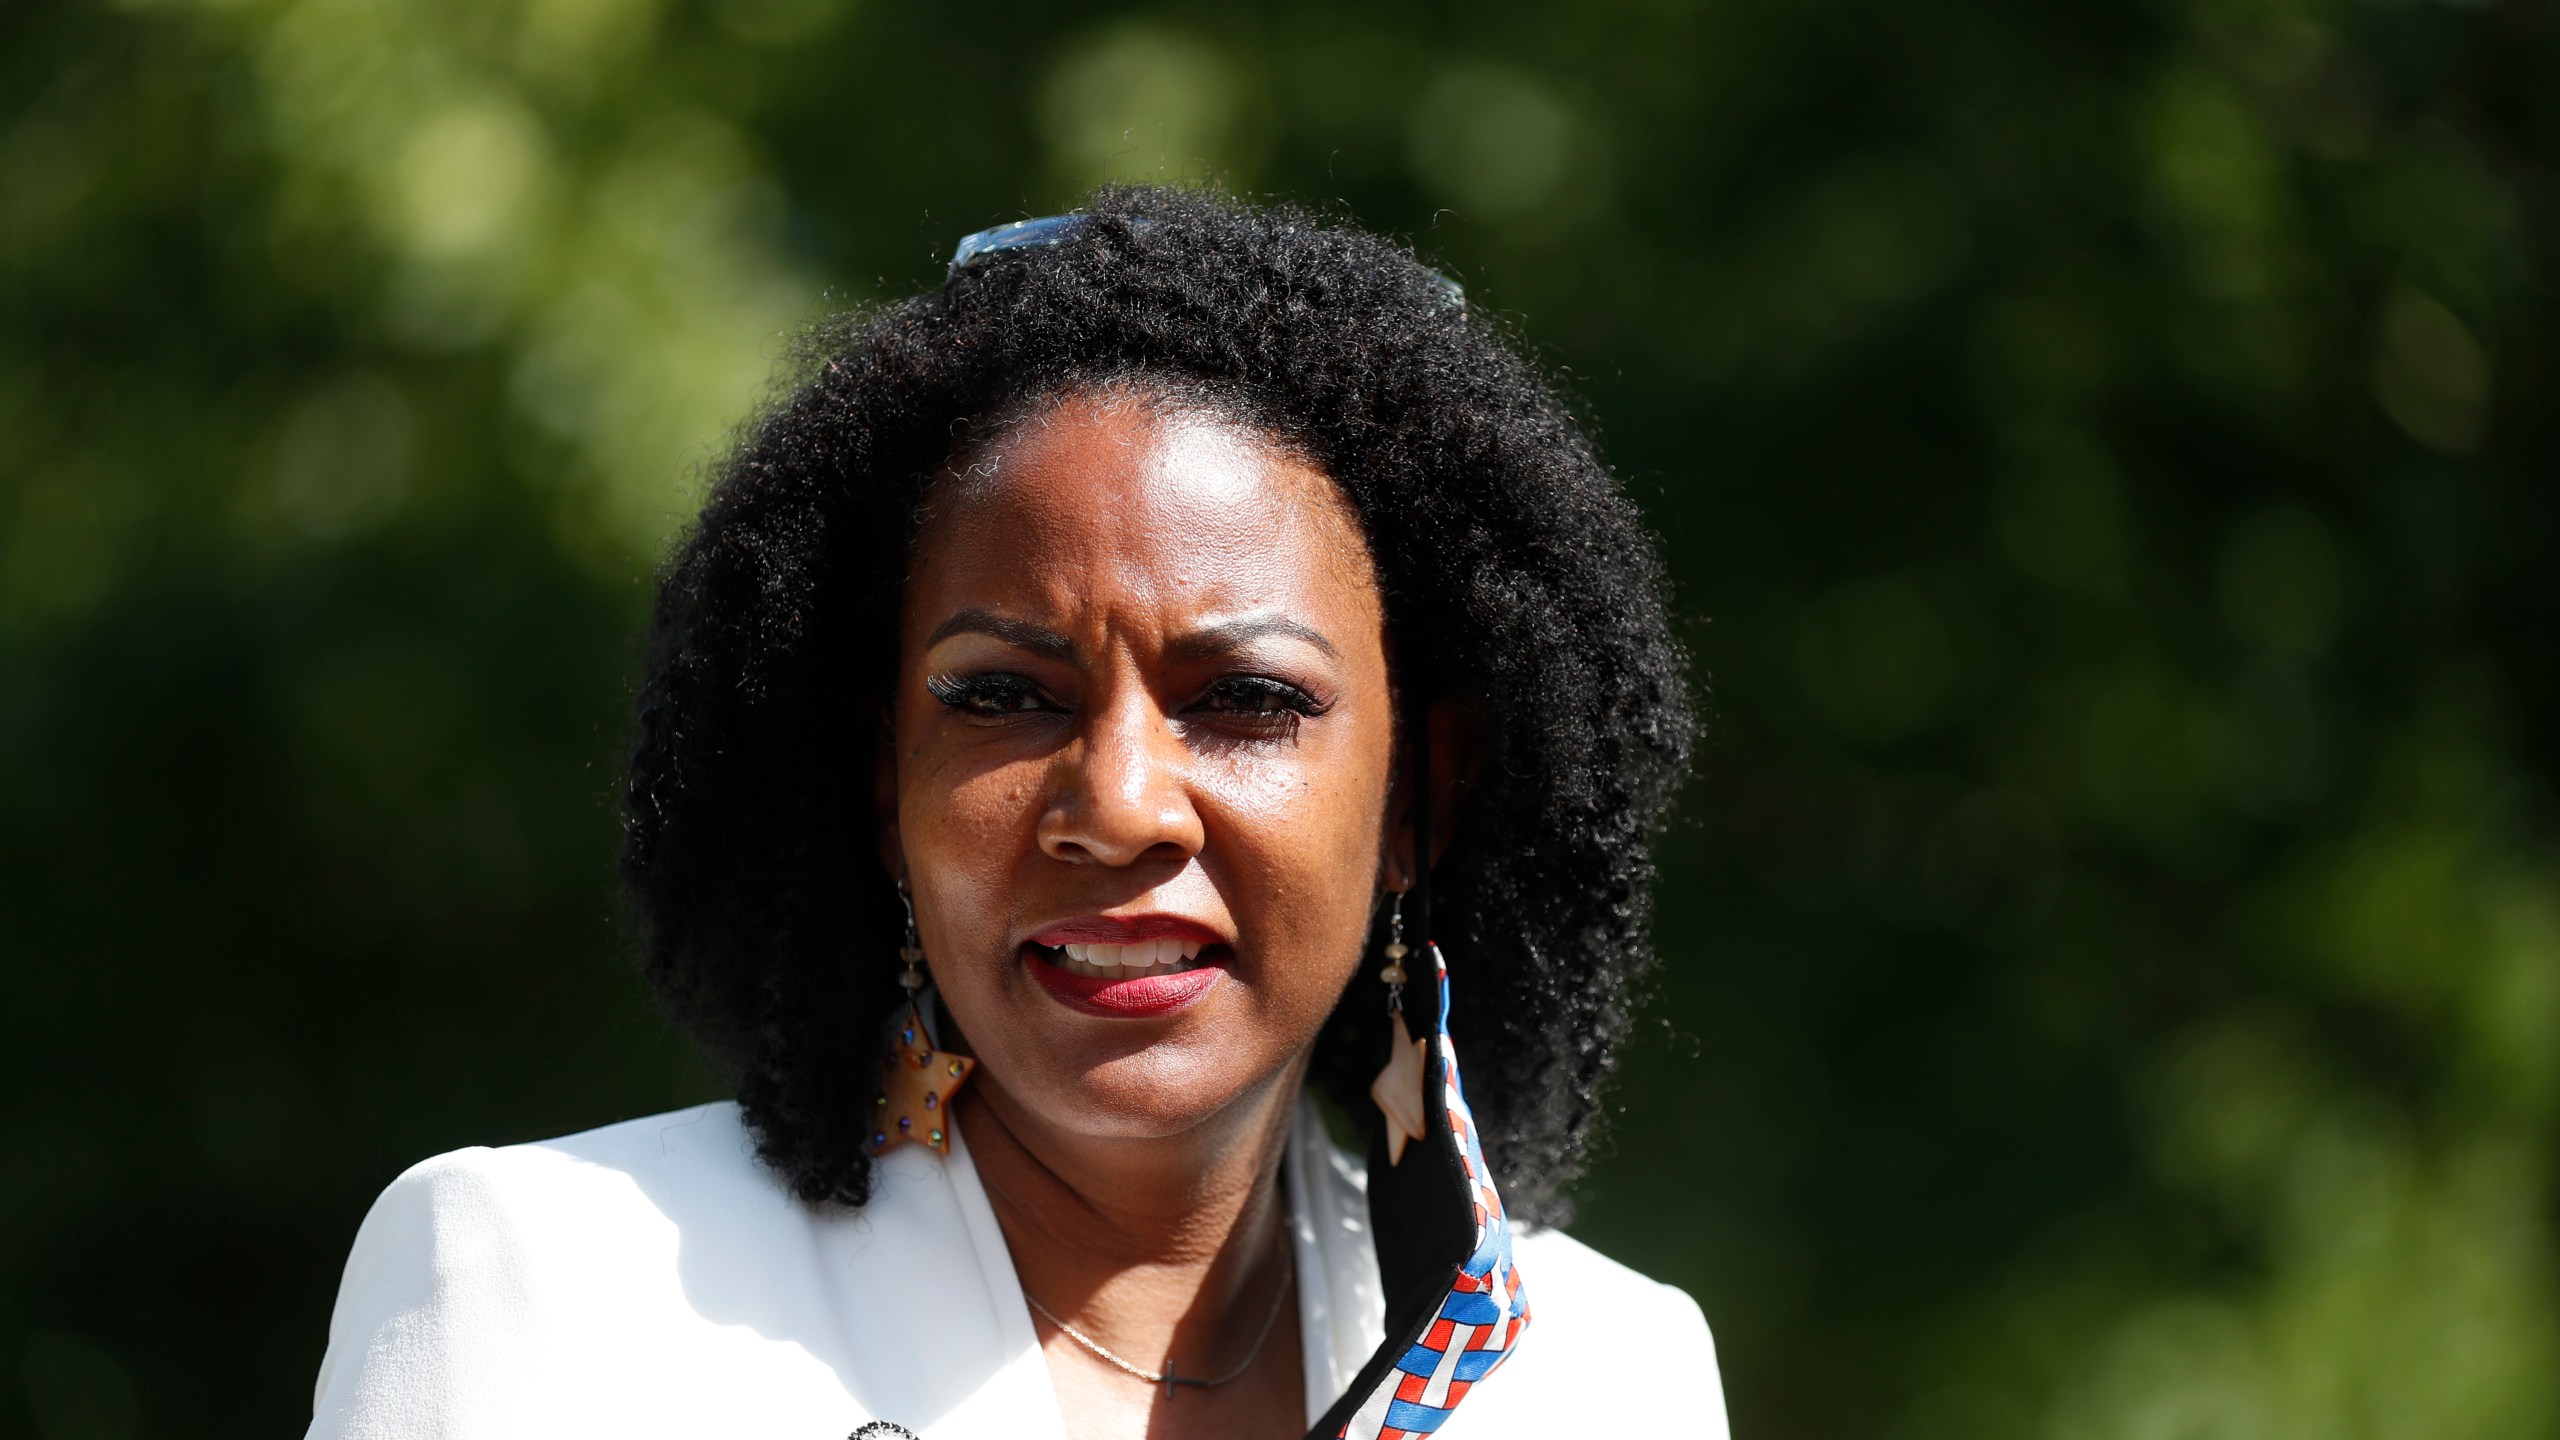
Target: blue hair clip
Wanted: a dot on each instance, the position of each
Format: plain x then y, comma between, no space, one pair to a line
1057,229
1020,235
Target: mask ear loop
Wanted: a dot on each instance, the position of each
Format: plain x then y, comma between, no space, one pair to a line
1400,1090
1419,727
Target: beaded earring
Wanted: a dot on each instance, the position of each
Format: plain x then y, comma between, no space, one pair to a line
1398,1088
916,1080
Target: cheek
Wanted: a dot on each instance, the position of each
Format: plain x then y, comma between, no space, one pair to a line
1262,788
1296,834
1321,790
965,832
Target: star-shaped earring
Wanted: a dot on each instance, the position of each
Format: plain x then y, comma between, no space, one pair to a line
1398,1089
916,1086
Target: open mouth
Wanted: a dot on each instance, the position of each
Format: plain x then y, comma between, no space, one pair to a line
1128,980
1125,962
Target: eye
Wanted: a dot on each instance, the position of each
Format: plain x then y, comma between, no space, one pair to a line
989,696
1259,698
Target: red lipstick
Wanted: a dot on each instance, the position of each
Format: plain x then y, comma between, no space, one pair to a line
1139,999
1125,930
1135,997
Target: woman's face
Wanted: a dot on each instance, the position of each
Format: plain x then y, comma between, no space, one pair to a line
1141,763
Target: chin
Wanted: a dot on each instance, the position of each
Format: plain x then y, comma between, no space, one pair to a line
1121,1088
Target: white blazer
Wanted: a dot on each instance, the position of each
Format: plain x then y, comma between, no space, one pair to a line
653,1279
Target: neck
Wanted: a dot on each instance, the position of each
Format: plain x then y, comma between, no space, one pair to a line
1160,1245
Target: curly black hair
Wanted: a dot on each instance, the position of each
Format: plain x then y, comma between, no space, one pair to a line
1517,578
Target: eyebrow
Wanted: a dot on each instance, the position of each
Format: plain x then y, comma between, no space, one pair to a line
1224,635
1209,640
1020,634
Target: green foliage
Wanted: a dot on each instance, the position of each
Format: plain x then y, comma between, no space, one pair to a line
2113,951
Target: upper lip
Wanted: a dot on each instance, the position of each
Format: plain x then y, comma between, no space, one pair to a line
1125,930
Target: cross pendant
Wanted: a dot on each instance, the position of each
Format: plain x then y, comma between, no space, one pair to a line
1172,1379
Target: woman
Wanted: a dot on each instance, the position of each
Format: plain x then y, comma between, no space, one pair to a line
1047,715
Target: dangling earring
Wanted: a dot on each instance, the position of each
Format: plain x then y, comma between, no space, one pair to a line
916,1080
1398,1088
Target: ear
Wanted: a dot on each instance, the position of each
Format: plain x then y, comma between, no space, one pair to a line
1453,773
884,796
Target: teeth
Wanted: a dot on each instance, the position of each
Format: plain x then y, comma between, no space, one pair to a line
1127,962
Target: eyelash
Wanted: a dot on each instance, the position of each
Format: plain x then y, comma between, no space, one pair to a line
1278,698
987,696
1257,701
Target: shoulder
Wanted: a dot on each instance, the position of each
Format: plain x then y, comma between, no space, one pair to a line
1597,1290
1590,1316
705,1145
1607,1350
521,1209
482,1279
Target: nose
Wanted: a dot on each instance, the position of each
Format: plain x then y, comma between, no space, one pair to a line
1119,795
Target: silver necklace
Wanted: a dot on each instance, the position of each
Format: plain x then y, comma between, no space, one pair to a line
1169,1379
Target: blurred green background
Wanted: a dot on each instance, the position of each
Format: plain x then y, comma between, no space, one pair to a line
2113,940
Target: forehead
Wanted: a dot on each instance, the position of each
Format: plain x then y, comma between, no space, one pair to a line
1130,499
